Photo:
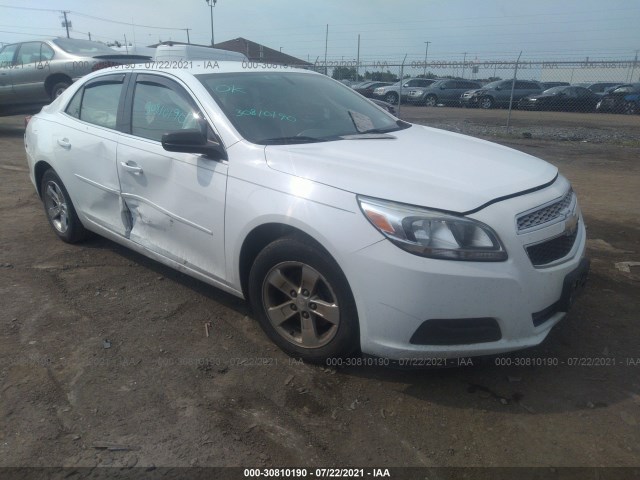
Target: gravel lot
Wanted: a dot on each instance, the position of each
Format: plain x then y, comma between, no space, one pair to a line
165,394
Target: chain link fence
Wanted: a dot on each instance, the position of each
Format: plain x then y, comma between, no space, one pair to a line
585,86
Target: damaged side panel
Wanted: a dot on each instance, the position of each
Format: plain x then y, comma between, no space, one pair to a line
88,154
173,204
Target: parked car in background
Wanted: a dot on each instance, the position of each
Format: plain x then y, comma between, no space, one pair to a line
445,92
548,85
349,231
498,93
569,98
33,74
387,106
391,93
599,88
615,100
367,89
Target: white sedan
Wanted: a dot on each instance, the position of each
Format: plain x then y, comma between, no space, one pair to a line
347,229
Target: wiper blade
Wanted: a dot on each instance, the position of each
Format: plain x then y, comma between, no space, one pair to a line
291,140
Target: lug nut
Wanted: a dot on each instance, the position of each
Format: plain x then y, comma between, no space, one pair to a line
293,307
305,292
293,294
313,306
305,314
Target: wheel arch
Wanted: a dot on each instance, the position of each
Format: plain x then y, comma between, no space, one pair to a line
54,78
261,236
38,172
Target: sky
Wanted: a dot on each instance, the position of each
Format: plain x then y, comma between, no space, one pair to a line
456,29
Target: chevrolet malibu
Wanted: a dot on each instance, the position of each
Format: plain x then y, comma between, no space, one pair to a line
348,230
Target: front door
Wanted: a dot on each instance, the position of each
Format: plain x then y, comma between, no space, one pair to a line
175,200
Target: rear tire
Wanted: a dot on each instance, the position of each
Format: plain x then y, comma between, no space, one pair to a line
303,301
57,89
59,209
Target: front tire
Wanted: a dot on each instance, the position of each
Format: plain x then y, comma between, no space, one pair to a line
486,103
303,301
59,209
431,101
391,98
630,108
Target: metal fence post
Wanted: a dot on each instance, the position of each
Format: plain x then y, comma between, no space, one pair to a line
513,85
401,82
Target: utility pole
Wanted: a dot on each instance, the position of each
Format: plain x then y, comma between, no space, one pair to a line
66,22
358,61
464,63
187,30
633,69
426,53
326,43
212,4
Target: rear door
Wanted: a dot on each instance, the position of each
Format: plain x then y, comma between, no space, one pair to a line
175,201
85,144
7,65
28,80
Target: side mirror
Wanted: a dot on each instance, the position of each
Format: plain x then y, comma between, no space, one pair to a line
498,88
192,141
405,85
442,87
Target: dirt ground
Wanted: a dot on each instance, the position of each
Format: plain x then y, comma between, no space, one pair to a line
175,397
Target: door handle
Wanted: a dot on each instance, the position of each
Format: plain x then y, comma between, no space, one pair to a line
64,143
131,168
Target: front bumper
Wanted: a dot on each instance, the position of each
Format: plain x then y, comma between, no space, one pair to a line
469,101
396,292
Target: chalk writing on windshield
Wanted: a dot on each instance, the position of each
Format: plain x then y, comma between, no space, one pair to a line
265,114
229,89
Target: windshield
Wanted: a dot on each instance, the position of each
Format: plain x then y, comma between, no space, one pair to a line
83,47
288,107
495,84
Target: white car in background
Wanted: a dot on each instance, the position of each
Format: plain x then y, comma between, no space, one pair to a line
348,230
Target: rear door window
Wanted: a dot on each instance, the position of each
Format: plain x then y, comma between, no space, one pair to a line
100,101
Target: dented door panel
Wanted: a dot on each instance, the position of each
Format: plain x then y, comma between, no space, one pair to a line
86,155
174,203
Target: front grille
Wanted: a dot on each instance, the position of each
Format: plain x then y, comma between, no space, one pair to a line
545,214
551,250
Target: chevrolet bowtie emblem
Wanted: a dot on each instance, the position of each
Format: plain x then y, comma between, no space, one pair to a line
570,224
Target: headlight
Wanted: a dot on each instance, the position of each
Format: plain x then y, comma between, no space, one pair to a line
433,234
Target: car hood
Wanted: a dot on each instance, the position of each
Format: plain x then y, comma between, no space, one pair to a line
542,96
418,166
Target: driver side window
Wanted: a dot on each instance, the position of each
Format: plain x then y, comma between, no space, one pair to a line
158,109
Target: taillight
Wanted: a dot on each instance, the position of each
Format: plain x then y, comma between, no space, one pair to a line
26,120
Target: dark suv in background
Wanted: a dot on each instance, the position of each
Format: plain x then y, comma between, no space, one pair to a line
33,74
498,93
445,92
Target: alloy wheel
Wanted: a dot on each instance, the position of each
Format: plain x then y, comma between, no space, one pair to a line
300,304
56,205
